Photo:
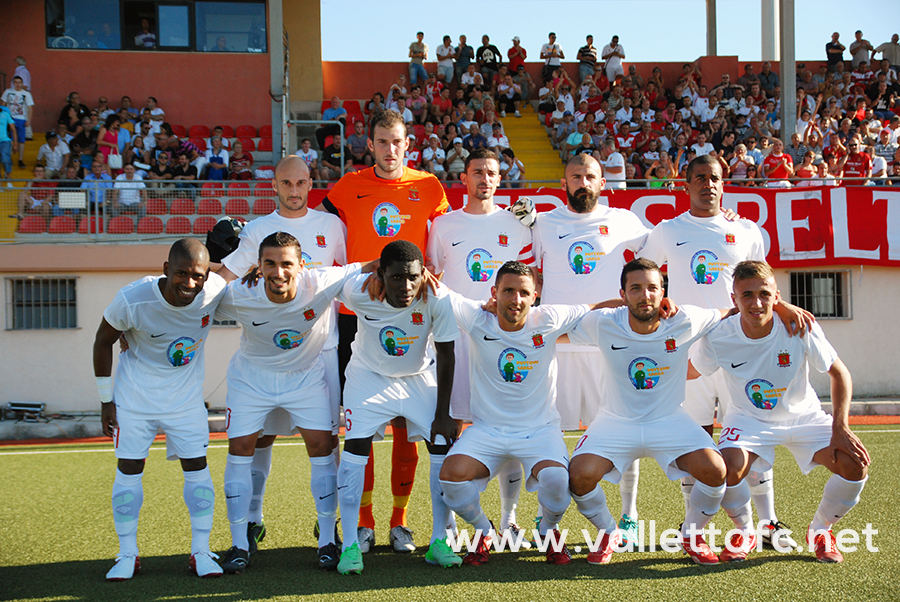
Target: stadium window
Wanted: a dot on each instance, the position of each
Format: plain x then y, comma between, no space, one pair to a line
41,302
230,26
825,294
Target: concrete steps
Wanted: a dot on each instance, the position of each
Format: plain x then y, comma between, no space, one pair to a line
529,141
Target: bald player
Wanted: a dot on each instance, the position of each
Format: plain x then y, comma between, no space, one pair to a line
159,385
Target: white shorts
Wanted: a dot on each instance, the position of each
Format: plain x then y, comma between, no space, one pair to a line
372,400
623,441
278,422
578,387
460,408
493,449
803,437
187,434
700,397
254,392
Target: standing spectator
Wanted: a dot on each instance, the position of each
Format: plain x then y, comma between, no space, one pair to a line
157,115
890,51
358,144
778,166
860,49
444,54
464,55
55,155
145,38
489,59
8,137
20,104
23,72
551,54
418,54
310,156
129,195
216,160
768,79
587,59
240,162
516,55
613,53
333,113
108,138
834,51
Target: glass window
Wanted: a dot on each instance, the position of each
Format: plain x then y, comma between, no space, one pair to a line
174,30
230,26
92,24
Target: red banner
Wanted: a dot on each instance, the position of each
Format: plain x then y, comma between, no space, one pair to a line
801,226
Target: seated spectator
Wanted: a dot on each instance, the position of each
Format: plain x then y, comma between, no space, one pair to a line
465,124
475,139
418,105
330,164
752,174
129,195
455,163
220,132
740,163
442,106
358,144
405,112
433,158
96,183
135,154
333,113
497,141
856,163
651,154
399,85
216,160
565,129
702,147
451,133
512,170
778,166
375,106
613,165
574,140
190,150
239,163
546,99
524,81
55,155
509,96
807,170
161,173
586,146
310,156
412,158
38,197
185,174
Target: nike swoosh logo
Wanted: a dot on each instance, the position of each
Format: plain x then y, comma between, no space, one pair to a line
156,336
705,514
678,244
487,338
370,319
562,236
614,348
322,497
457,243
761,481
511,481
259,323
231,497
342,487
733,365
406,484
362,196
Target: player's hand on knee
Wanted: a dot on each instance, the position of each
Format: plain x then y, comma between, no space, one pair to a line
845,440
108,420
443,426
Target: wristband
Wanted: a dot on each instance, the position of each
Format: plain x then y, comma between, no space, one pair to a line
105,388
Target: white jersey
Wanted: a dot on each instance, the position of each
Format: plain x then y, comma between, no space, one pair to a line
513,374
644,374
469,249
767,378
582,254
285,336
162,371
395,341
323,244
702,253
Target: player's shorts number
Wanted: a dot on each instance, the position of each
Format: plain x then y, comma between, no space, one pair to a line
347,416
730,434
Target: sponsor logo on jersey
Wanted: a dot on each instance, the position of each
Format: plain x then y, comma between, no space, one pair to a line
729,238
395,341
320,241
582,257
784,359
181,351
604,230
670,345
514,365
204,321
537,340
503,240
705,267
387,219
644,373
417,318
480,265
309,313
287,339
763,394
308,262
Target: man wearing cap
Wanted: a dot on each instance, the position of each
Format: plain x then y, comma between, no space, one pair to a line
516,55
55,155
564,129
587,59
497,141
524,80
433,158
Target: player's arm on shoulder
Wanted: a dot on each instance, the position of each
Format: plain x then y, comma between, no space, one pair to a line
796,319
225,273
842,438
103,357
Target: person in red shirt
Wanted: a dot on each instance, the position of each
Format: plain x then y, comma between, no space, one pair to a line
856,164
516,54
778,166
642,139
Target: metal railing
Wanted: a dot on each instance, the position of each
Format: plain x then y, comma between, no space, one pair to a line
322,122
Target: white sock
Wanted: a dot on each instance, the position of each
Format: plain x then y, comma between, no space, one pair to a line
350,479
463,498
440,511
705,502
839,497
259,473
594,508
553,494
509,480
200,497
736,504
628,487
763,492
323,486
238,491
127,498
687,487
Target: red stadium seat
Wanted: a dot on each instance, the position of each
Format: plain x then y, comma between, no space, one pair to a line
199,131
249,145
263,206
157,207
352,106
266,168
90,225
209,207
245,131
120,225
211,189
227,131
62,224
326,104
202,225
264,188
265,145
178,225
33,224
237,207
150,225
353,117
179,130
239,189
419,131
265,131
199,143
182,207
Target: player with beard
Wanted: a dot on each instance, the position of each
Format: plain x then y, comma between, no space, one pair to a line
573,275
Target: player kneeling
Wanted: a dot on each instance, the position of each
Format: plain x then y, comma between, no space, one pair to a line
767,374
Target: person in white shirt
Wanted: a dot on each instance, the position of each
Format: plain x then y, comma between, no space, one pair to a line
166,321
20,104
613,165
702,147
216,160
613,53
497,142
772,403
310,156
157,115
129,194
433,157
395,370
551,54
55,155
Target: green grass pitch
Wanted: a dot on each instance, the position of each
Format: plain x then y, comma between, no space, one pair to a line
57,539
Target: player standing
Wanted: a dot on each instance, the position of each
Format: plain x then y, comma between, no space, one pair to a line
159,385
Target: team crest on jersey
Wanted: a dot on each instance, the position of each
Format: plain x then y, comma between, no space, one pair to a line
604,230
670,345
582,257
395,341
414,194
309,313
204,321
181,351
729,238
387,219
644,373
705,267
513,365
480,265
503,240
763,394
784,359
537,340
417,318
287,339
320,241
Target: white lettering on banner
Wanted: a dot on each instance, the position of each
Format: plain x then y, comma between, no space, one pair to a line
731,200
784,219
893,221
640,205
841,229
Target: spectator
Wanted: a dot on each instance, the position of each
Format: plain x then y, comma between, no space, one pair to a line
856,163
797,149
456,159
186,147
125,103
20,104
86,144
860,49
418,54
130,195
8,137
489,59
136,154
752,174
330,165
552,54
442,106
509,96
451,133
239,163
108,138
475,139
55,155
748,78
834,51
512,170
740,163
778,166
613,53
879,168
418,106
890,51
103,109
613,165
216,160
73,100
184,174
564,129
463,56
702,147
516,55
333,113
38,197
433,158
220,132
638,81
23,72
406,113
445,54
587,59
96,183
358,144
432,88
145,38
310,156
375,106
497,142
768,79
161,173
157,115
807,171
885,148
